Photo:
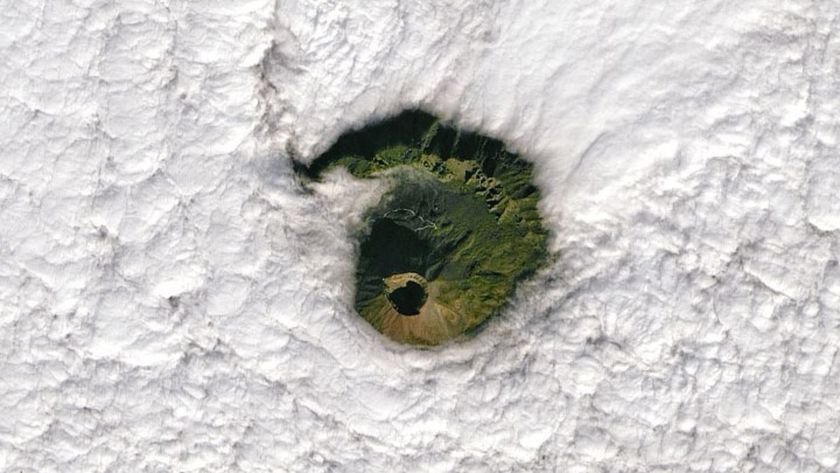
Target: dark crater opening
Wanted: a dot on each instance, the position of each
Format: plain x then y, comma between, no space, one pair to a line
408,300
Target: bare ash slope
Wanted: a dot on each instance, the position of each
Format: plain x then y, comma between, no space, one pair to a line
172,299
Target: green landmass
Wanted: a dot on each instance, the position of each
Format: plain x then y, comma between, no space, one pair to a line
453,236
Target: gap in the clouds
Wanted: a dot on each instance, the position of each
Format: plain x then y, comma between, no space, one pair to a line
448,242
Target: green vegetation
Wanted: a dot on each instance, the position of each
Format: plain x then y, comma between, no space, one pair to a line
453,236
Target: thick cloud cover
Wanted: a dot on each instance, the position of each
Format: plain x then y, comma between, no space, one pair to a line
172,298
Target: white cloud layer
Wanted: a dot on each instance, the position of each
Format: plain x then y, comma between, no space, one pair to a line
171,299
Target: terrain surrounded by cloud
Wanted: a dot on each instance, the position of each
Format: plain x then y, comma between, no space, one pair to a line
173,299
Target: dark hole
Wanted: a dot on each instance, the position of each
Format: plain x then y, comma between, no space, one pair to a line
408,299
